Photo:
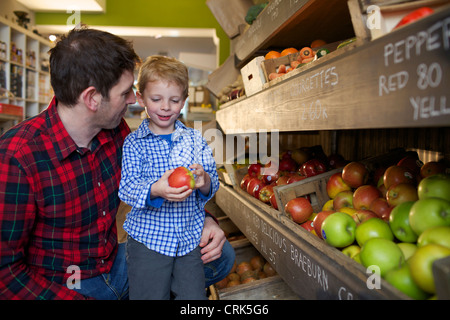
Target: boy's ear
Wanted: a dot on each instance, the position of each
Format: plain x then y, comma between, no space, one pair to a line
140,99
91,98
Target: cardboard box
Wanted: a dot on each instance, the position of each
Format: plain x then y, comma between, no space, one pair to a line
253,76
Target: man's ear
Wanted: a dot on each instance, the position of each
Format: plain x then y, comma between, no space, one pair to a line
91,98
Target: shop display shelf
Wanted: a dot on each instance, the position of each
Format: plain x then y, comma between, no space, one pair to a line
313,269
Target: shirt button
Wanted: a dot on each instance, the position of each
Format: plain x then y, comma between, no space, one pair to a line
99,184
103,261
104,213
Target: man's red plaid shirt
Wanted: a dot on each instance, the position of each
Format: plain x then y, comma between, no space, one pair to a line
58,204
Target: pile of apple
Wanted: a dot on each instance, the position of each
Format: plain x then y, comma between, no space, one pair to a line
399,222
293,165
246,272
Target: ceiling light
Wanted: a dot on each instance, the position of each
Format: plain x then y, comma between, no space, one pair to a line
98,6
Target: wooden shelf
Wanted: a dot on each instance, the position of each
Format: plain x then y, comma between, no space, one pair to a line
380,84
310,267
294,23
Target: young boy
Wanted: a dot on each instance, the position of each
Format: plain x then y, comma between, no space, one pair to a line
165,223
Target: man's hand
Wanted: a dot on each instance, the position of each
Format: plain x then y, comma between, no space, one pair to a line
212,240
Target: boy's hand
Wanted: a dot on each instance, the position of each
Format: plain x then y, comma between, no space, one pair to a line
202,179
162,189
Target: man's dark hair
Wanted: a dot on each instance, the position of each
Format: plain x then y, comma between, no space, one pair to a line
88,57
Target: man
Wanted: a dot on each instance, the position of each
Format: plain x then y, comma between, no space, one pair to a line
60,174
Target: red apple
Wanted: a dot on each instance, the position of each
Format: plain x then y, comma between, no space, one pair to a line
364,195
362,215
265,193
336,161
412,163
281,181
355,174
245,181
285,154
378,174
400,193
257,189
300,156
343,199
294,178
336,184
395,175
252,183
254,170
308,225
287,165
430,168
320,217
180,177
381,208
312,167
299,209
270,173
273,201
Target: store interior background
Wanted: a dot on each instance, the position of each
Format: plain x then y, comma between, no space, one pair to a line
186,30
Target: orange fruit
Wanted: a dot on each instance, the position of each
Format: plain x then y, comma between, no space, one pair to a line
272,55
317,43
287,51
306,53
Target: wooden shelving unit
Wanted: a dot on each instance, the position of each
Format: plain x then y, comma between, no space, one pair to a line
396,84
24,67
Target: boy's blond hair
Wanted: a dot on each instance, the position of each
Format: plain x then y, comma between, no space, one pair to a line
156,68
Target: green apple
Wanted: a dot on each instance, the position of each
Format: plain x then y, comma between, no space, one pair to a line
438,235
351,251
399,222
421,265
430,212
338,230
373,228
383,253
435,186
407,248
401,279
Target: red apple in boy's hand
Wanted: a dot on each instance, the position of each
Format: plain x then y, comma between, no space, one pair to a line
180,177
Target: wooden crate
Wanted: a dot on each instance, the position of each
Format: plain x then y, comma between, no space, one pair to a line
271,65
253,76
315,187
230,14
372,19
271,288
